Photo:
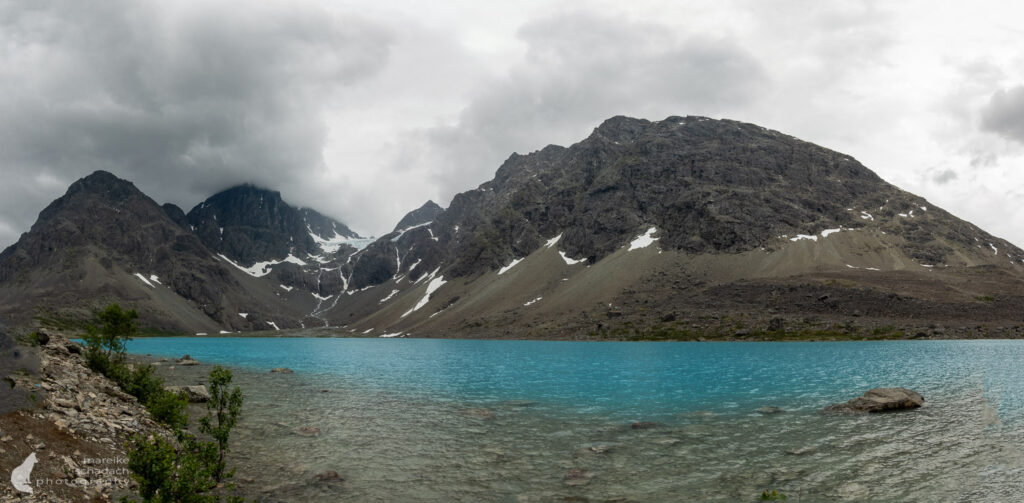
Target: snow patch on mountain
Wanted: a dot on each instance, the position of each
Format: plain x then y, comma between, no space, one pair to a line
644,240
144,280
512,264
434,284
407,229
260,269
569,261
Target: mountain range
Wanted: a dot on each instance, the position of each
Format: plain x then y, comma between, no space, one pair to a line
686,227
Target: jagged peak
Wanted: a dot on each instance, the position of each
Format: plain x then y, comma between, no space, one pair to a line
425,213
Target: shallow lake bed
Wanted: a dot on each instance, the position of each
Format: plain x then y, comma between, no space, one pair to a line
428,420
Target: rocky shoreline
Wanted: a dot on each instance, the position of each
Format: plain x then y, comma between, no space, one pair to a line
77,428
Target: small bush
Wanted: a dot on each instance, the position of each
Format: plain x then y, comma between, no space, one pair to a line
188,469
142,384
169,408
110,331
221,415
773,495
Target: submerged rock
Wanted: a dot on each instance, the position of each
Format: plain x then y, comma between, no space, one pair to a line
644,425
308,431
879,400
195,394
282,370
768,410
479,413
330,476
577,477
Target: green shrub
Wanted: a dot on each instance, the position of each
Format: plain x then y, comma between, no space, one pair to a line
221,415
142,384
188,470
773,495
175,472
169,408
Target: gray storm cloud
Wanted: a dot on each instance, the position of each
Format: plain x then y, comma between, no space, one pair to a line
1004,113
579,70
364,111
182,101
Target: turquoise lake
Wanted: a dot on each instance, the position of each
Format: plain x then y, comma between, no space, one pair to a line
469,420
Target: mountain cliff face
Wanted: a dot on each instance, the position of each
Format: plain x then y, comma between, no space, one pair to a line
706,186
422,215
250,224
682,226
662,216
105,241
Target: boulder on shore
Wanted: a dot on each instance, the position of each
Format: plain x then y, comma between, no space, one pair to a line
187,360
195,394
879,400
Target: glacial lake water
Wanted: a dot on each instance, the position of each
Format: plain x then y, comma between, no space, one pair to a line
469,420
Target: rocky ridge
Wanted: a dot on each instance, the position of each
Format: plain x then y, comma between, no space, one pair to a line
680,228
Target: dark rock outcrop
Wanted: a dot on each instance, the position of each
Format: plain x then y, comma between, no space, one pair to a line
177,215
249,224
879,400
707,186
105,241
426,213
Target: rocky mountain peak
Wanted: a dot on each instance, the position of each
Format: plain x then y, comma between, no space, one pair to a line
250,224
426,213
622,128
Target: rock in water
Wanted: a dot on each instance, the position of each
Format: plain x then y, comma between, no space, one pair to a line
282,370
769,409
880,400
187,360
330,476
196,394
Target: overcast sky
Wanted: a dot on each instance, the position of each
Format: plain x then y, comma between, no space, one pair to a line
364,110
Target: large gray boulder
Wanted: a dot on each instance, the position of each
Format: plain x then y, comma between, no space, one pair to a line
879,400
195,394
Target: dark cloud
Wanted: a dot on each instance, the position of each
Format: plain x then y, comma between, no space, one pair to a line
1004,113
944,176
183,101
579,70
